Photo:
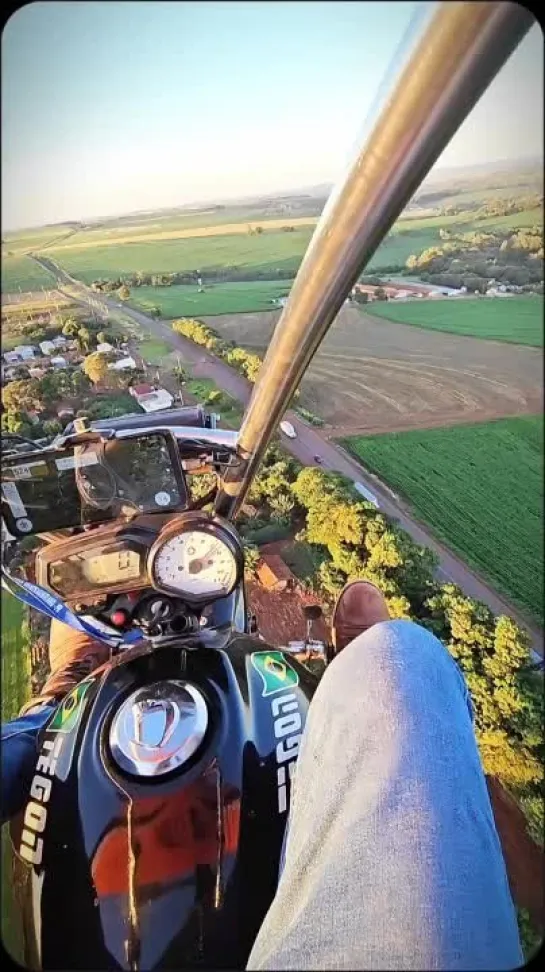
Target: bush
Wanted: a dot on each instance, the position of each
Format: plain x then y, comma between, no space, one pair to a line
309,417
251,558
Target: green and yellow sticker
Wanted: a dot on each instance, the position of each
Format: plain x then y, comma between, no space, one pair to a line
276,673
70,709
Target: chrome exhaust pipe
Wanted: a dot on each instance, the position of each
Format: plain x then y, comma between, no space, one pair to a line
462,49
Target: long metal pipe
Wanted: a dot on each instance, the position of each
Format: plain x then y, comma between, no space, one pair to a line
462,49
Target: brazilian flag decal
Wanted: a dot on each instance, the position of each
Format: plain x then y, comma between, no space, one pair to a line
276,673
70,709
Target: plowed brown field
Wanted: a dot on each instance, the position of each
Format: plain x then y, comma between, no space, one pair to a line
373,375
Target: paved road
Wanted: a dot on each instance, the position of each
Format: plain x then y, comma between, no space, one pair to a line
311,442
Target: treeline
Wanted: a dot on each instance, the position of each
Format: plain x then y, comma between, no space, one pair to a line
355,540
490,207
195,277
474,259
247,363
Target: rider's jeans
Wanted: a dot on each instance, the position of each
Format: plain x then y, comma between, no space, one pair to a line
392,856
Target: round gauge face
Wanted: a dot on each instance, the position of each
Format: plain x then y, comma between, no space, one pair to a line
195,563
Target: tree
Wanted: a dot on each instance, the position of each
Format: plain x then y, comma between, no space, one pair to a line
252,557
95,367
70,327
381,294
22,396
16,423
180,374
124,292
52,427
361,297
21,373
281,506
83,338
103,338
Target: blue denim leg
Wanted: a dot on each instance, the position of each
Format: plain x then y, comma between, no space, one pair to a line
392,856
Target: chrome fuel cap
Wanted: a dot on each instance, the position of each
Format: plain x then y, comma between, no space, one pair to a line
158,728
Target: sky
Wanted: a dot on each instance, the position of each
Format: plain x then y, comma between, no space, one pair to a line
112,107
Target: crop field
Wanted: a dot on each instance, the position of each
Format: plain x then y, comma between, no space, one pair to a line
224,229
480,488
516,320
197,242
269,250
22,274
525,219
374,376
217,298
15,692
18,243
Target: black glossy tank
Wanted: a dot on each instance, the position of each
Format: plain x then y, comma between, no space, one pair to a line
172,872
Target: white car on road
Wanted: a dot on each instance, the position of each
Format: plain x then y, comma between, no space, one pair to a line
288,429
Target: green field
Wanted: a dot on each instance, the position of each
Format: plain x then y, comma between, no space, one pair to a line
525,219
218,298
270,250
229,408
480,488
15,691
179,222
153,351
21,273
515,320
15,244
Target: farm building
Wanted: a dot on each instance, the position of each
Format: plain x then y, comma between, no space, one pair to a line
274,574
104,348
156,400
136,390
59,362
47,347
151,399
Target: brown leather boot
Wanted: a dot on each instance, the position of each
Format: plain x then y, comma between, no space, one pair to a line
72,656
359,606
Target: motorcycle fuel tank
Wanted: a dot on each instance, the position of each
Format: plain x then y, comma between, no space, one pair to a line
154,827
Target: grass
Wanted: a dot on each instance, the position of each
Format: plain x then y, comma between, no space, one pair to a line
20,273
15,692
525,219
230,410
270,250
24,241
515,320
400,244
218,298
480,487
153,351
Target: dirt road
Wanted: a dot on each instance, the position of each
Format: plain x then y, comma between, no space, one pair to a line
311,442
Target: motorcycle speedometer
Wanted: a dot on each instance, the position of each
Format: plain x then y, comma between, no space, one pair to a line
196,559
